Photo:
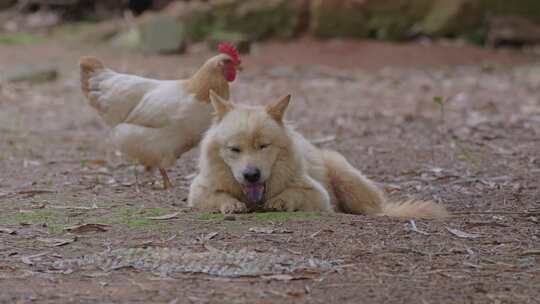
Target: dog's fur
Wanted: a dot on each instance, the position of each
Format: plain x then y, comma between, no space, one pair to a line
296,175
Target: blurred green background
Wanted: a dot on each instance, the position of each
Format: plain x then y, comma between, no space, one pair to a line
166,26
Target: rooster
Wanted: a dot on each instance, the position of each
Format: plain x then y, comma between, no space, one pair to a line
156,121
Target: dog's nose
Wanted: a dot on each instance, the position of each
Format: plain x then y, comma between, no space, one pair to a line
252,175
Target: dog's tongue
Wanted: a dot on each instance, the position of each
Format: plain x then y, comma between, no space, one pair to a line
254,193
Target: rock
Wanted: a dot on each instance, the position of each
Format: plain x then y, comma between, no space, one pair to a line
452,17
105,31
513,30
31,74
195,17
480,20
382,19
395,19
261,19
160,33
168,31
338,18
130,39
6,3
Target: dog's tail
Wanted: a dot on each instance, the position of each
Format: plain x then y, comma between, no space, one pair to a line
414,209
357,194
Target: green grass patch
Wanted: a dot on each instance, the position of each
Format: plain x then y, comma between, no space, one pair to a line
19,38
55,220
211,216
133,217
286,216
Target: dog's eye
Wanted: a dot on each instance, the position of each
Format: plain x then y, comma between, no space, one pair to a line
263,146
234,149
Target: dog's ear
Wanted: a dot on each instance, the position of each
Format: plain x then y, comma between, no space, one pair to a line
277,109
221,106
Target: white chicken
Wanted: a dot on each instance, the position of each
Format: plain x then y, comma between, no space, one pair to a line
156,121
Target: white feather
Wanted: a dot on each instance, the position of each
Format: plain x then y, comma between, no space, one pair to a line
154,121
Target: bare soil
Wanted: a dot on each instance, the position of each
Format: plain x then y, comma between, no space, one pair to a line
371,101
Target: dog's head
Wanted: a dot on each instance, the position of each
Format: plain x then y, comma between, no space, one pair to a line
250,141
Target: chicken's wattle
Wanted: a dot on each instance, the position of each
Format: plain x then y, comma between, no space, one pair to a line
229,72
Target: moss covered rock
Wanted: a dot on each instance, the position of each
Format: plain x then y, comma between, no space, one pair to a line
338,18
260,19
382,19
452,17
6,3
395,19
161,33
481,20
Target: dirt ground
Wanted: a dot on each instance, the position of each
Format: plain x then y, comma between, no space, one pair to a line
374,102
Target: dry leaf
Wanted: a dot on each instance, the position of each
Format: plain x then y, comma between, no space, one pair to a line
207,237
462,234
164,217
285,277
267,230
296,294
88,228
28,259
530,252
73,207
98,162
278,277
7,230
57,242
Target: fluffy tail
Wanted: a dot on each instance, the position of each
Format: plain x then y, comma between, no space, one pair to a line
414,209
355,193
89,65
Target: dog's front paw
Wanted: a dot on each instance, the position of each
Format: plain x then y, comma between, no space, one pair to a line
278,204
233,207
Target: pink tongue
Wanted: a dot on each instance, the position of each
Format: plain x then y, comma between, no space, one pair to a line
254,193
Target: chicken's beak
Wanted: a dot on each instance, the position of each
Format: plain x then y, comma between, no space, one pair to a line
239,68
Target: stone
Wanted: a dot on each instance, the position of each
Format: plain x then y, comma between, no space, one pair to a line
261,19
452,17
6,3
395,19
160,33
338,18
513,30
31,74
381,19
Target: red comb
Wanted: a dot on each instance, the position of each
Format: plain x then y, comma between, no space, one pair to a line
229,49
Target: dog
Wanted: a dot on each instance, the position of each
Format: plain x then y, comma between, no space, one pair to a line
251,159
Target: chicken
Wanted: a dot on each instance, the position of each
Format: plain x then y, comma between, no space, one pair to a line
156,121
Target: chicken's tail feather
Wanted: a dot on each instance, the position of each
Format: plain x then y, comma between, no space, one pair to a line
89,65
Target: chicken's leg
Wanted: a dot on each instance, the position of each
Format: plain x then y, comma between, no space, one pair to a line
166,181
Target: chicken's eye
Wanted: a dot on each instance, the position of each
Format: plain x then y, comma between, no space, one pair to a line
234,149
263,146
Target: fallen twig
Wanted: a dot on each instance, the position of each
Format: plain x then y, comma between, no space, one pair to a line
164,217
26,193
530,252
463,234
415,229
